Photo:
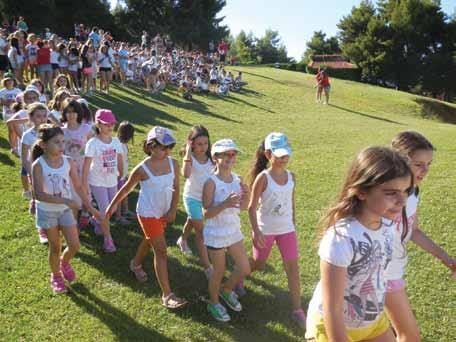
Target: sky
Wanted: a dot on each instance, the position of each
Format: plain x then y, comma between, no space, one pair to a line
296,20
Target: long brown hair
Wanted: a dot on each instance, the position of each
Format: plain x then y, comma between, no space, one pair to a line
45,133
408,142
196,132
260,163
372,166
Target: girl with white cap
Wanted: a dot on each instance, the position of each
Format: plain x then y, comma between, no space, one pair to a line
224,196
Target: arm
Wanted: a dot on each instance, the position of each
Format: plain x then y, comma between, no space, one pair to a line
135,177
259,185
293,199
25,161
232,201
80,191
171,215
120,165
333,284
187,162
426,243
85,173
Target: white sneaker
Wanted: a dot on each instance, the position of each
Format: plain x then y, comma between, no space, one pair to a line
182,244
42,236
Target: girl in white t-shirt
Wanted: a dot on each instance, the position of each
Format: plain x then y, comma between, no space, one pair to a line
125,133
224,196
196,168
8,95
420,152
273,189
52,174
356,247
76,134
103,163
158,176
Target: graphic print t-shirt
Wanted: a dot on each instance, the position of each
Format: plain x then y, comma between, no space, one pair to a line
365,254
103,169
75,142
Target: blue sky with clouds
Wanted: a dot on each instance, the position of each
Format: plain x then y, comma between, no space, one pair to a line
296,20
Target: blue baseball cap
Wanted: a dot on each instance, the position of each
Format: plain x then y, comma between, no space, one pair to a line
277,143
163,135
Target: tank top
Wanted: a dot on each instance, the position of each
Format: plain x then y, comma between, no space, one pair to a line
275,214
156,192
56,182
200,173
227,222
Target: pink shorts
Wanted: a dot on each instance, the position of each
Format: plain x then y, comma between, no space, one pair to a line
395,285
287,243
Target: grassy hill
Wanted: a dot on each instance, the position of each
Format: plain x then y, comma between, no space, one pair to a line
106,303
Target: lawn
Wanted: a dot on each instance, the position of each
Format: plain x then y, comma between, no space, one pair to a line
106,303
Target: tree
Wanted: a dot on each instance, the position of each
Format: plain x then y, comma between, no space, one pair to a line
270,48
320,45
245,47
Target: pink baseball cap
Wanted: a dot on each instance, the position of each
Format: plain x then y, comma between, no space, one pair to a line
105,116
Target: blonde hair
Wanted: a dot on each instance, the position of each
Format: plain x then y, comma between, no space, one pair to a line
372,166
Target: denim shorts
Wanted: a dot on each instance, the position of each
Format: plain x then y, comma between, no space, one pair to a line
44,68
23,172
50,219
194,208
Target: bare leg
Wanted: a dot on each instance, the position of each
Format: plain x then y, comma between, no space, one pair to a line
401,316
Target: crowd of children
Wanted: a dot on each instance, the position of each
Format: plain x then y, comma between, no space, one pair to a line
90,55
75,172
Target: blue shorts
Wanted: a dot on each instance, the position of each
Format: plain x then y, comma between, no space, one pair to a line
194,208
50,219
44,68
24,172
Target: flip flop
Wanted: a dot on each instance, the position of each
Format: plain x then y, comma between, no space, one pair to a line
172,302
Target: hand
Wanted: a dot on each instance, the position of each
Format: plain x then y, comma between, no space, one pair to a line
110,210
188,146
258,239
99,216
73,205
232,201
244,190
170,216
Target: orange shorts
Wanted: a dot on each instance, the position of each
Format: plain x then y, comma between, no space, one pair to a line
152,226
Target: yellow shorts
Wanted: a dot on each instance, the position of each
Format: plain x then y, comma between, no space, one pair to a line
317,331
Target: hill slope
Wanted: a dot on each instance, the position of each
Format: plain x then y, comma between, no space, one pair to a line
106,303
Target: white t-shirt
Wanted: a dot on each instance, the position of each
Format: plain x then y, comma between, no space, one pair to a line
28,138
3,45
200,173
54,57
22,114
103,169
275,213
104,61
8,94
75,143
396,269
365,254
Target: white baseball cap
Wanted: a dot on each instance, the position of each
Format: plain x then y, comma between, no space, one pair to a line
224,145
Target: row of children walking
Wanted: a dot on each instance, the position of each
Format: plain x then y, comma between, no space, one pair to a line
364,233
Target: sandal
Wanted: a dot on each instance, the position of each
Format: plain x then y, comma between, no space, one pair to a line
173,302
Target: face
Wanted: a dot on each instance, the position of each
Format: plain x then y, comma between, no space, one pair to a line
226,160
72,115
161,152
105,129
9,84
55,145
278,161
420,162
387,199
200,145
62,82
39,117
31,97
38,85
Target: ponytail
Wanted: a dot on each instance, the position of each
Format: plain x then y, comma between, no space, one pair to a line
37,151
259,164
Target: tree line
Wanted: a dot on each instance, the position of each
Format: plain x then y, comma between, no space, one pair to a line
406,44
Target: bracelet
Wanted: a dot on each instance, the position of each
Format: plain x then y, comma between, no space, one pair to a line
187,160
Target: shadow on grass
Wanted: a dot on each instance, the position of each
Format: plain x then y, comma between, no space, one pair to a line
261,76
6,159
366,115
122,326
442,111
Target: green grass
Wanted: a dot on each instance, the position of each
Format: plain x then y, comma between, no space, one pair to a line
106,303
